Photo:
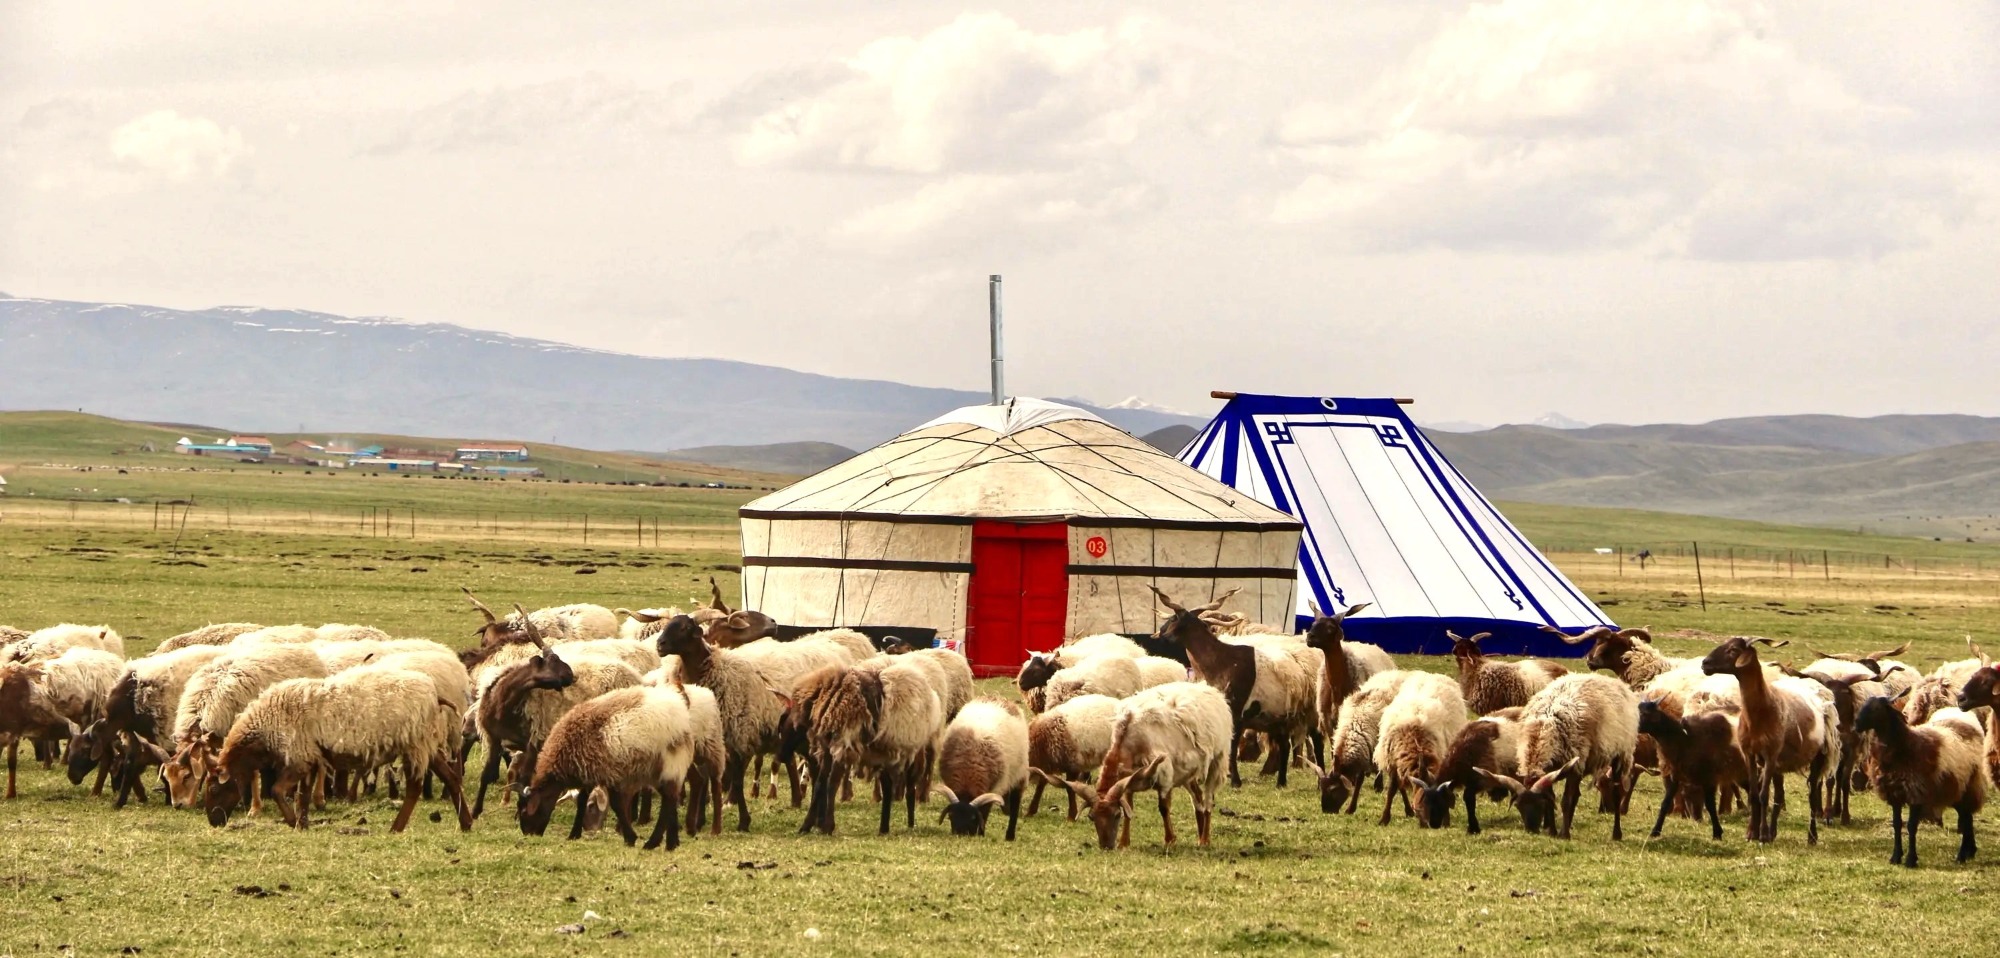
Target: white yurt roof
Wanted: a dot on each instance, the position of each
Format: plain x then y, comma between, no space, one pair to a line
1028,459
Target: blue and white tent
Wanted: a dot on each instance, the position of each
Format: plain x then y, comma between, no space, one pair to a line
1390,522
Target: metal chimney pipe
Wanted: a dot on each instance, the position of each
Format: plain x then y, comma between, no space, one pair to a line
993,306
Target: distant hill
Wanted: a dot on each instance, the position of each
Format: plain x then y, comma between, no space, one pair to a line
1171,439
275,369
790,458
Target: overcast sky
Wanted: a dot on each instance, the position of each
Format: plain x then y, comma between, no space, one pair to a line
1625,210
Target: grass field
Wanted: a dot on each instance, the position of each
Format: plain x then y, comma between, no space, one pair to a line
1281,878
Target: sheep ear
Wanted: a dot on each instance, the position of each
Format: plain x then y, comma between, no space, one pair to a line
1314,606
783,699
989,798
1354,608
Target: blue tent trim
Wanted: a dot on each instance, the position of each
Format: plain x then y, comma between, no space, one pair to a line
1261,423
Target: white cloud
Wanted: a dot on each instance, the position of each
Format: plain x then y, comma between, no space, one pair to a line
959,209
981,94
544,112
1675,126
178,147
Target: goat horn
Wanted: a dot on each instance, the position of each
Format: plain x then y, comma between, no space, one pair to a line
1169,603
529,624
1773,643
481,606
715,596
1889,653
1217,602
1838,656
1590,635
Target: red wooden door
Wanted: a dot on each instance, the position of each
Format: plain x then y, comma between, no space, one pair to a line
1019,596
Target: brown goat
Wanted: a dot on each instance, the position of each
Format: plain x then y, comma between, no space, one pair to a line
500,715
1697,752
1929,767
1774,730
1345,668
1230,668
1982,690
1489,742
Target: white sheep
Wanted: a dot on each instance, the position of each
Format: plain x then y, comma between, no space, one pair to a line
55,640
624,740
750,712
1579,725
1416,734
577,622
340,632
983,762
294,634
1170,736
1351,751
1069,742
221,633
354,722
951,677
1117,676
711,754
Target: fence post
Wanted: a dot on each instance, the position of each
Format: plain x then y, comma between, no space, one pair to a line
1826,563
586,528
1699,584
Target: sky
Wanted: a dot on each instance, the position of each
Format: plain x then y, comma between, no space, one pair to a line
1624,210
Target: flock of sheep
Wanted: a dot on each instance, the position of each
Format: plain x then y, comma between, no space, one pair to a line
685,709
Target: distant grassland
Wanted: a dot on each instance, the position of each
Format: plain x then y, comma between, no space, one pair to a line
1282,879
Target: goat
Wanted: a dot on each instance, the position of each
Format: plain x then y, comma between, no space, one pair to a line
1253,681
1345,665
1929,767
1626,653
1782,729
1697,752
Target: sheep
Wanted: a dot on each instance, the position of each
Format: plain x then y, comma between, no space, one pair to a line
1069,742
1698,752
983,762
750,712
951,674
79,682
338,632
220,691
711,754
53,641
10,635
625,740
356,721
641,655
1626,653
1982,690
293,634
1268,690
519,707
1940,689
887,719
139,712
1859,666
1170,736
1850,684
1580,725
1787,725
1929,767
1345,667
1491,741
1417,730
1489,686
215,634
1351,751
25,712
567,623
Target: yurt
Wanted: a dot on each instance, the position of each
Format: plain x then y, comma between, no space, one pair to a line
1390,522
1005,528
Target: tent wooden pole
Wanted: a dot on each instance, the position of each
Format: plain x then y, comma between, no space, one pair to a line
1226,394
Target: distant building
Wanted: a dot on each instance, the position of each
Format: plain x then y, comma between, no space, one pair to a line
253,442
529,472
393,465
224,449
301,447
366,451
492,452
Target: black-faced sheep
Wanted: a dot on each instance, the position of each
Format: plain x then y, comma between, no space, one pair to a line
983,762
1491,742
1417,730
750,711
1580,725
887,719
521,705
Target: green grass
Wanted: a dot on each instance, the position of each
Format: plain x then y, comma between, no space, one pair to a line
1282,879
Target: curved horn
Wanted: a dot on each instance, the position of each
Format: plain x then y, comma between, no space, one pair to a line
1773,643
989,798
715,596
1590,635
534,634
1217,602
1507,782
944,791
1837,656
481,606
1169,603
1888,653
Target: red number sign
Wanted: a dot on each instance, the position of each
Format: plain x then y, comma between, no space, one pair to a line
1096,547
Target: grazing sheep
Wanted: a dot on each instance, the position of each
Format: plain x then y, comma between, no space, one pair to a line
355,722
1069,742
1170,736
53,641
625,740
951,675
1626,653
79,682
294,634
521,705
1351,752
1492,741
1697,753
1270,690
1787,725
25,712
1417,730
750,712
567,623
1929,767
1345,665
983,762
1580,725
887,719
1490,686
339,632
220,691
216,634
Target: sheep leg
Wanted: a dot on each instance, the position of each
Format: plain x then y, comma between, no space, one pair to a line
13,753
697,810
1572,791
1353,800
1896,824
1389,802
411,793
1714,820
644,802
812,819
1618,800
1777,807
430,792
1916,815
715,798
454,789
670,798
621,815
583,790
1014,814
733,774
1167,814
1666,802
1813,803
1471,810
1235,742
885,781
911,793
488,774
1204,812
1968,846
